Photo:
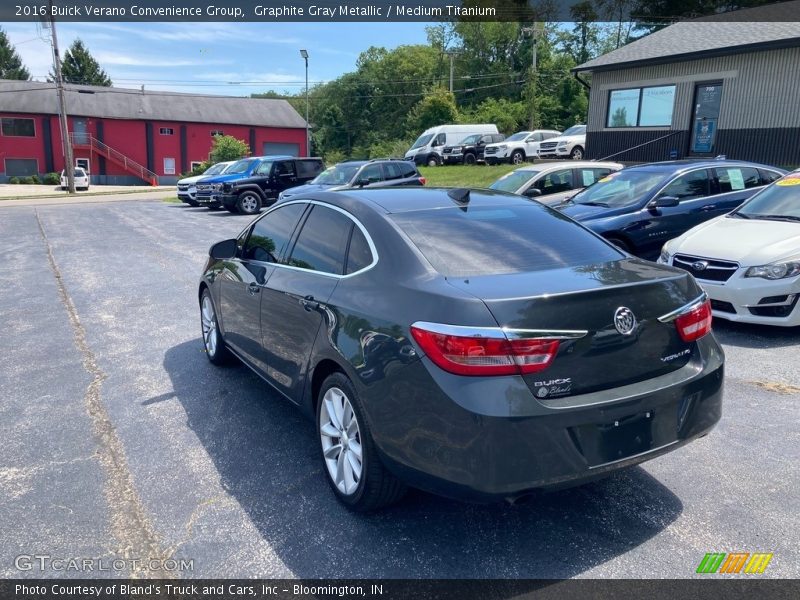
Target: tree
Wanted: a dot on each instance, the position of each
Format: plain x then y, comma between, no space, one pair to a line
11,66
620,117
436,108
226,148
79,66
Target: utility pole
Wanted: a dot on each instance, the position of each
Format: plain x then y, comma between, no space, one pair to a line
452,56
66,143
534,33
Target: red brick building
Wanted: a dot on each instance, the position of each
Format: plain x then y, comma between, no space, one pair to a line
134,137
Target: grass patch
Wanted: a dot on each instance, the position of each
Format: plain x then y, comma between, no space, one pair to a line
474,176
171,200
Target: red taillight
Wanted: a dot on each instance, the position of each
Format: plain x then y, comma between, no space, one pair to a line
696,323
422,181
490,353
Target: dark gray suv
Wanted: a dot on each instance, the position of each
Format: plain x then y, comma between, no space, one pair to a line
378,172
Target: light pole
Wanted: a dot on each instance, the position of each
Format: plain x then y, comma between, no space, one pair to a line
304,54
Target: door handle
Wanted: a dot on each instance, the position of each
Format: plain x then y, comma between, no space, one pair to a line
253,288
309,303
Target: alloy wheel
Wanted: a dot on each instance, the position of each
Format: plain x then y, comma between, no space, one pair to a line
248,204
209,321
340,435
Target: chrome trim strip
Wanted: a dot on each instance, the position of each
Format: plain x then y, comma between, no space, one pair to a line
787,302
671,316
499,333
363,229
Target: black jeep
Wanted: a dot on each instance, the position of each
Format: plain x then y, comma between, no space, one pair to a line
470,149
249,195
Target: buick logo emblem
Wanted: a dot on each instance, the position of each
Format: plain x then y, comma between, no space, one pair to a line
700,265
624,320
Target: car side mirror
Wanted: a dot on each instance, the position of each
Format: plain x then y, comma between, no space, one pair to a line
362,181
665,202
223,250
532,192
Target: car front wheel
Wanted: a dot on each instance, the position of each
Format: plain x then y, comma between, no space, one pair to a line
249,203
517,158
350,460
432,162
577,153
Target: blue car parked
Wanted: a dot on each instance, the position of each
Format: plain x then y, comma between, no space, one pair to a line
641,207
209,189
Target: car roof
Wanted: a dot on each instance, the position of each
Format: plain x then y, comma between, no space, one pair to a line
573,164
407,199
672,166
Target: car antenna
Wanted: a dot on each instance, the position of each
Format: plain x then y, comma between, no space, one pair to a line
460,196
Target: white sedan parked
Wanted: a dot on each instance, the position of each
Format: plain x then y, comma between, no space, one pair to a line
748,261
552,183
81,179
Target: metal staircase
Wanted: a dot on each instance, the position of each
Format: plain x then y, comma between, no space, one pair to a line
86,141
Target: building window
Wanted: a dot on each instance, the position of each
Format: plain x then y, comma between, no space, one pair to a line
169,166
215,132
19,127
21,167
641,107
166,131
82,163
195,164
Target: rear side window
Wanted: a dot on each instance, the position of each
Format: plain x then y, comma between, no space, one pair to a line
271,234
408,169
732,179
359,256
308,168
322,242
589,176
499,240
769,176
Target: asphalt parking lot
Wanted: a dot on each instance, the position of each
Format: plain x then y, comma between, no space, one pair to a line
119,439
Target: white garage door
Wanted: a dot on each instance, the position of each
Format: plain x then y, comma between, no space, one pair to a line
281,148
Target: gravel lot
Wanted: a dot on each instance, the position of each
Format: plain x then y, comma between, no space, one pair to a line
118,438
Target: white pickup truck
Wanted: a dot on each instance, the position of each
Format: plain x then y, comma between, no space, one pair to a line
517,148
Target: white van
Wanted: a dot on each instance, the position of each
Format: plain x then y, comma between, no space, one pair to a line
427,150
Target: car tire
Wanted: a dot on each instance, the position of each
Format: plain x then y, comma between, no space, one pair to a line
341,444
469,159
432,162
249,203
619,243
216,350
577,153
517,157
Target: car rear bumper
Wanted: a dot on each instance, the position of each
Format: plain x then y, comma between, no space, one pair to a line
490,438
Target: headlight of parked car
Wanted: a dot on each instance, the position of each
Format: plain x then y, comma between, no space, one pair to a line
501,147
562,144
665,256
780,270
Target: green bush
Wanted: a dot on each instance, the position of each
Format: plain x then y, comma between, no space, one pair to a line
227,147
334,156
52,179
13,180
26,180
389,149
35,179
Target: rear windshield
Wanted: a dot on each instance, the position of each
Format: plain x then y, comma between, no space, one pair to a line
511,182
490,240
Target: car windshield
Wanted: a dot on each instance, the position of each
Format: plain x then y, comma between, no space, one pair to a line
471,139
622,188
489,240
241,166
780,201
520,135
511,182
422,140
575,130
338,175
214,170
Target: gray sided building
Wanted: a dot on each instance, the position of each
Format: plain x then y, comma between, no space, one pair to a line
699,89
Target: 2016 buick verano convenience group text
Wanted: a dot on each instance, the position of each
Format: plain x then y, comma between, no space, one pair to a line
473,344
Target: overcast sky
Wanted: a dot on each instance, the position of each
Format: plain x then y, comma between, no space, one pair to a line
205,57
